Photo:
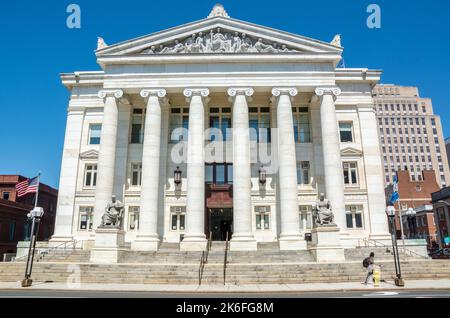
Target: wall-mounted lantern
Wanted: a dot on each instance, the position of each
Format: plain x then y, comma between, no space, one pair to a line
177,176
262,176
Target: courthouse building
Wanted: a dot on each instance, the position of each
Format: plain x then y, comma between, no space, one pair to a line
217,126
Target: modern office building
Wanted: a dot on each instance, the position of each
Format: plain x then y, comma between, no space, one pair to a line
410,134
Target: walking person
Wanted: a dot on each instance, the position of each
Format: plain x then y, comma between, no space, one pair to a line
368,264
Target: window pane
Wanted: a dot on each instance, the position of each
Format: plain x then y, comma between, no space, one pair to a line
136,133
349,221
88,179
358,220
174,222
220,174
182,221
214,122
209,174
226,125
94,181
258,221
94,134
266,221
91,220
346,132
253,124
303,128
230,174
12,230
175,124
354,178
346,176
296,133
83,222
135,178
185,128
132,221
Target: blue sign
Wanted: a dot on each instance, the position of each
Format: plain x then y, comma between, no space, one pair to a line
447,240
394,197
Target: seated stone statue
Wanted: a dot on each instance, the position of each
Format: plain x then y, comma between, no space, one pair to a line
113,214
322,212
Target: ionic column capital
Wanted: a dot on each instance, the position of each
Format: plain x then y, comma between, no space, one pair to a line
246,91
278,91
190,92
334,91
116,93
158,92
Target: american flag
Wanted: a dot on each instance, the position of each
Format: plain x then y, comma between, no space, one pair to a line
27,186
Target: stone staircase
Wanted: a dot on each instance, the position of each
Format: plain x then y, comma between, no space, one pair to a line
237,274
268,265
170,254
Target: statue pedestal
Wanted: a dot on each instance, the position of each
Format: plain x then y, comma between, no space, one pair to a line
326,245
108,246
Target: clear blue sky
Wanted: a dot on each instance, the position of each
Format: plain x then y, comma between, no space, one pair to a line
412,48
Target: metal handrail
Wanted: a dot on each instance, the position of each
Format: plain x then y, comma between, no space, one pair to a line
43,252
204,259
405,250
225,261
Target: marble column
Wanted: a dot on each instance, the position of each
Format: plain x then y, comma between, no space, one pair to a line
147,238
334,181
243,238
379,229
290,238
195,238
68,178
107,153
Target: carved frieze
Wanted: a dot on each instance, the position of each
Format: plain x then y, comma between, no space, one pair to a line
219,41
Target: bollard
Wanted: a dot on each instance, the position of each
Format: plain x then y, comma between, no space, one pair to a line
376,276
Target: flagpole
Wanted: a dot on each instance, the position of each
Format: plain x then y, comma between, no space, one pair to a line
37,192
401,226
396,189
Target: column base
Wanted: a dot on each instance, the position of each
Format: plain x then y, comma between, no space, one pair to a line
243,243
326,245
292,242
108,246
194,243
148,243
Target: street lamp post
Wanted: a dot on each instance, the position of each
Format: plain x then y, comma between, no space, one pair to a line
35,215
390,211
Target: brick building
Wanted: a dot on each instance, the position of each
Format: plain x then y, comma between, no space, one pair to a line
14,226
416,195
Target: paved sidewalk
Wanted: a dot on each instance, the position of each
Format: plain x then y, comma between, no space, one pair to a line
277,288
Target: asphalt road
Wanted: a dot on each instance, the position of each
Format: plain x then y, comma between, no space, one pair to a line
123,294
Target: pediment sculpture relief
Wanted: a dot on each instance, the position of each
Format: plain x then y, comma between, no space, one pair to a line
218,42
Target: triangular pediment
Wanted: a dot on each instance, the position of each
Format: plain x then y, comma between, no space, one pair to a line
351,152
90,154
218,34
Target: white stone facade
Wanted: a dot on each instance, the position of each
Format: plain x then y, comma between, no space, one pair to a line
279,80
